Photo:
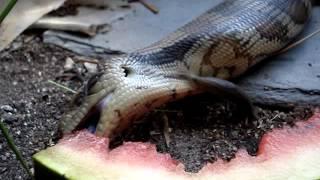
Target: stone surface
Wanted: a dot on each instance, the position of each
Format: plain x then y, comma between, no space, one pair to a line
291,78
137,30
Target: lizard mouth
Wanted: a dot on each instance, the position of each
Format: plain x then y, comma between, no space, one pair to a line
93,116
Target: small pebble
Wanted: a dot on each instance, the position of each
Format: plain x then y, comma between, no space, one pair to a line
7,108
92,68
69,64
9,118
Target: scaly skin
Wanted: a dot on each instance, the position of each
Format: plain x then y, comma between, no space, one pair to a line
223,43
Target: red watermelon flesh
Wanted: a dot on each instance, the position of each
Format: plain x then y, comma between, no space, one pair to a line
287,153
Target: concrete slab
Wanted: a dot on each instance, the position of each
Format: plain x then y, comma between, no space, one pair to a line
291,78
136,31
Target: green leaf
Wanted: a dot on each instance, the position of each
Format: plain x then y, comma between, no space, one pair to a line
7,8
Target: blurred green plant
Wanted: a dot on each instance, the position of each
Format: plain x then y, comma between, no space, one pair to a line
7,8
13,147
3,13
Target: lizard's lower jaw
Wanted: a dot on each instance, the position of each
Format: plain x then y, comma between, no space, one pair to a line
125,105
118,108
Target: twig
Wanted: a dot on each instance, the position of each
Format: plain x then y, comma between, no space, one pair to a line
86,60
274,117
294,44
149,6
62,86
166,110
7,9
166,129
14,148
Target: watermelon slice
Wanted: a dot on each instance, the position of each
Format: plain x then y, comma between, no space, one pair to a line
287,153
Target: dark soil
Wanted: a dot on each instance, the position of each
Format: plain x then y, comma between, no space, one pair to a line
29,105
200,129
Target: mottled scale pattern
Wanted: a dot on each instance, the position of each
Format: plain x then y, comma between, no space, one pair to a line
224,42
231,37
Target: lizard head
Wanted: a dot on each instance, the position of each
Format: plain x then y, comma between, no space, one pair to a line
124,91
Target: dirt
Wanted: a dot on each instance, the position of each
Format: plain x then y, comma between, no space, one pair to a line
29,106
198,129
203,128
